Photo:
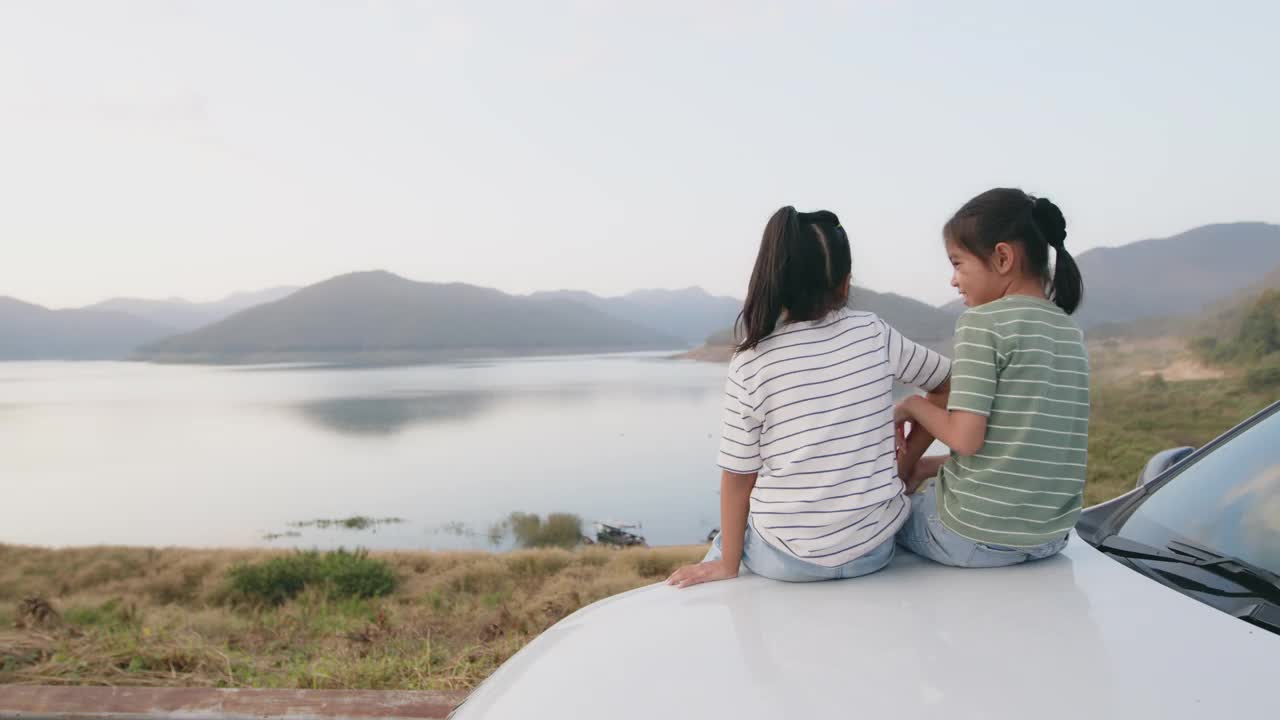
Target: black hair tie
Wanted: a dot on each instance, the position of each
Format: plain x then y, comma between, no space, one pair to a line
1035,226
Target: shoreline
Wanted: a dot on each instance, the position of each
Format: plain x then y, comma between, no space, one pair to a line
707,353
254,549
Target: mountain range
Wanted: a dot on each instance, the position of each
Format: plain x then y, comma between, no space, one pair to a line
378,317
1220,319
183,315
920,321
1189,283
688,314
32,332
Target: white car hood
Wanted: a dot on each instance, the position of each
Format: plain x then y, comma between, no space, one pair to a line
1075,636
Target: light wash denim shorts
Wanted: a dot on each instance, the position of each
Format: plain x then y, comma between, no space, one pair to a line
765,560
926,536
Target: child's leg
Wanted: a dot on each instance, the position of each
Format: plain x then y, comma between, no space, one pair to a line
874,561
765,560
914,533
924,535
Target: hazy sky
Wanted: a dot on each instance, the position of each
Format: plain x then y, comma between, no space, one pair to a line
194,149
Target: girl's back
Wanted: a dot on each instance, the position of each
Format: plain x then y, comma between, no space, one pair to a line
810,408
809,486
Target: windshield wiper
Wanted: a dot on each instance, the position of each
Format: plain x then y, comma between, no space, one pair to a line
1240,566
1242,571
1264,584
1264,614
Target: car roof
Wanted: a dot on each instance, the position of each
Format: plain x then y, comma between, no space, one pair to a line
1071,636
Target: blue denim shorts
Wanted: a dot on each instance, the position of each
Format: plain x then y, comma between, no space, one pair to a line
926,536
765,560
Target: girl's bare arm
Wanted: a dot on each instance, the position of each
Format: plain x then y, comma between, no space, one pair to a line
963,432
735,504
919,439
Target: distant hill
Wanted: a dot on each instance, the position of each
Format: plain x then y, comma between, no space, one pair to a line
1253,336
1173,276
1223,319
184,315
1176,275
919,321
378,317
1220,319
688,314
32,332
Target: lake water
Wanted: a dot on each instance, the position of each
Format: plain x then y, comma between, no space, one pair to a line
131,453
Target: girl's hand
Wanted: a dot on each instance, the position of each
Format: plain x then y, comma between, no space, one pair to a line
901,414
907,474
702,572
912,481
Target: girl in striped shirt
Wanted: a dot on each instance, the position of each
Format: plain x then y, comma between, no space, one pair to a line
1017,418
809,488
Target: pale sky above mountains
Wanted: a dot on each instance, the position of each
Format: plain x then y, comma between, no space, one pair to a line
170,148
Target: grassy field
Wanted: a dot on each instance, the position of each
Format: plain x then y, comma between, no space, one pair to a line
416,620
1131,421
141,616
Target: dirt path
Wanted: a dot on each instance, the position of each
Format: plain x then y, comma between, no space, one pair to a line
1185,369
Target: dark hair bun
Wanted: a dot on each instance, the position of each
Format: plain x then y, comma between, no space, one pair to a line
1049,220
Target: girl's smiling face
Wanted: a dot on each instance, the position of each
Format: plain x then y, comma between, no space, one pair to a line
977,280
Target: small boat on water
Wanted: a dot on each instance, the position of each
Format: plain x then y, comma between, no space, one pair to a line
619,534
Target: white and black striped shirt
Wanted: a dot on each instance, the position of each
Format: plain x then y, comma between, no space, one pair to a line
810,409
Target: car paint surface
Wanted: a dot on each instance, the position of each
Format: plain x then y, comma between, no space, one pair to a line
1074,636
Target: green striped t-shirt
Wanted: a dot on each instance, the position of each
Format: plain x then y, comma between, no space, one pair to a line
1022,363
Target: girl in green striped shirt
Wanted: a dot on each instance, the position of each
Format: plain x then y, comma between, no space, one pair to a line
1017,416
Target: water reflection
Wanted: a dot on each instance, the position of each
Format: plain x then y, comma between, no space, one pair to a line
355,522
516,529
259,448
389,415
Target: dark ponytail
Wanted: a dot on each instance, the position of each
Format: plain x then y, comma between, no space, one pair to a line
1010,215
1067,287
801,268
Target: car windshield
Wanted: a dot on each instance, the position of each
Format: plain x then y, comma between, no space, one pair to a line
1227,502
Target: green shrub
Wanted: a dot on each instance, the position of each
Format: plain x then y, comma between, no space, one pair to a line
112,613
1262,378
1206,349
1258,335
558,530
273,581
1260,331
339,573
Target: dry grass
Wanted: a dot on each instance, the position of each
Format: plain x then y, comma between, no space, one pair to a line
144,616
1122,360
